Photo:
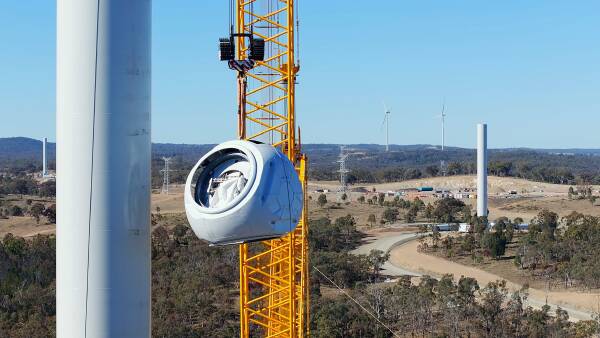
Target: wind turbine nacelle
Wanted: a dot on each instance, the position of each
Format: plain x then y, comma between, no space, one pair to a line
243,191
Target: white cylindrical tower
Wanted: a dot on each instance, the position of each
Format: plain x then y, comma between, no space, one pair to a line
103,168
44,158
482,188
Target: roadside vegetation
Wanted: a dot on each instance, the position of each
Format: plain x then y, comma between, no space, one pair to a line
559,252
21,196
421,308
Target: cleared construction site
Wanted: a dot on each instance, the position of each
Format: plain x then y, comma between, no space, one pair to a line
107,234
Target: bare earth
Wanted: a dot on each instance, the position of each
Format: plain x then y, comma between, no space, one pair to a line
24,227
407,257
496,184
531,199
171,203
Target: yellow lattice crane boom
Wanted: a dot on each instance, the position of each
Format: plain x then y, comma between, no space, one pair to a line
274,296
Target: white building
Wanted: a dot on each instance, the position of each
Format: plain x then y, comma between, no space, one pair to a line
464,227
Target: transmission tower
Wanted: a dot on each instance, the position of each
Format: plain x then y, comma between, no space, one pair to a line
165,171
343,172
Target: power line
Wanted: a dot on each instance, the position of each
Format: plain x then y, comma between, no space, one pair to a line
357,303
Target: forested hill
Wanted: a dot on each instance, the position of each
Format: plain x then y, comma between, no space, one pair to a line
20,148
370,162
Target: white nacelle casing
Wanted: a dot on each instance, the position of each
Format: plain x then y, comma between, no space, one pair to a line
258,194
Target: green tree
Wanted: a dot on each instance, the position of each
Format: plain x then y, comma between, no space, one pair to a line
37,211
435,236
571,193
381,198
468,243
372,220
429,212
418,204
446,210
390,215
490,308
50,213
411,215
495,243
546,223
361,199
322,200
16,210
347,224
377,258
47,189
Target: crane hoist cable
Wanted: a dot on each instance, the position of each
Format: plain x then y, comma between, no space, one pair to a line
357,303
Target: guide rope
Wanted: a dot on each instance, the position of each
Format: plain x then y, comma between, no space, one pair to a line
357,303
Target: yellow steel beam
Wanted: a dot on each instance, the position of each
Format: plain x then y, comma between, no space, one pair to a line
273,280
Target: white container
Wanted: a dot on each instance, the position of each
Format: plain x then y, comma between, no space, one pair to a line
243,191
464,227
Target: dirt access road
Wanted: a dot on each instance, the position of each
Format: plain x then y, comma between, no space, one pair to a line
386,243
406,260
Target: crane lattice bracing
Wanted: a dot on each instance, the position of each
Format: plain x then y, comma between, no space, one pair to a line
274,294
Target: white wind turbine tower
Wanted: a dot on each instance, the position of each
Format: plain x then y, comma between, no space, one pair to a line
386,121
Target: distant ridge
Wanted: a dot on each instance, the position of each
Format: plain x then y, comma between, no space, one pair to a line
24,148
366,156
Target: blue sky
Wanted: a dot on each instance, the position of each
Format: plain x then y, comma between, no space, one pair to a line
530,69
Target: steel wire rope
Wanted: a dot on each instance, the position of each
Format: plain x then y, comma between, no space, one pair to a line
87,274
357,302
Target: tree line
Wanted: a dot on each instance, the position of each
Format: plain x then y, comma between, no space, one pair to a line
26,185
525,170
564,251
428,308
195,288
561,251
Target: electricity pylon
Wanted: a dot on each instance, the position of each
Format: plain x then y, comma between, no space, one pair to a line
343,188
165,171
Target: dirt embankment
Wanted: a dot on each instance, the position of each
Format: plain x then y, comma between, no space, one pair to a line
497,185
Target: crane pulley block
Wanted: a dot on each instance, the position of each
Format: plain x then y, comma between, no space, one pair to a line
227,47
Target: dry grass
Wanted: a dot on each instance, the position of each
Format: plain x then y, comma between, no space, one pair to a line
497,185
25,227
538,196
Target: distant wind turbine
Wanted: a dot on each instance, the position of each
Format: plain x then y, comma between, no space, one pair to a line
443,117
386,122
